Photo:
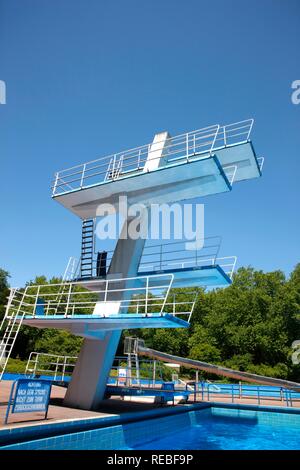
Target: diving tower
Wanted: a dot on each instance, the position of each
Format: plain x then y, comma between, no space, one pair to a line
135,285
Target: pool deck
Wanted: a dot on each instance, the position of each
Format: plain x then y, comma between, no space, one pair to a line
113,407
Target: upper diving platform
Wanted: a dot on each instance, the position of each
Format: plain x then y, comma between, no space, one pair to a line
190,265
198,163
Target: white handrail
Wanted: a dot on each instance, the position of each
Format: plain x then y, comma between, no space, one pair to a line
201,141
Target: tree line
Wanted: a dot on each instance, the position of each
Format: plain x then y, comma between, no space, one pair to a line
249,326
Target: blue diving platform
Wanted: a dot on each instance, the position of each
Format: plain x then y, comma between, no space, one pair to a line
94,325
204,276
196,164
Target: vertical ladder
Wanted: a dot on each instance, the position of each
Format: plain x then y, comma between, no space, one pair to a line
87,249
10,332
133,365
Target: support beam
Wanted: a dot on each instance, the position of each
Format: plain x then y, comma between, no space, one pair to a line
89,379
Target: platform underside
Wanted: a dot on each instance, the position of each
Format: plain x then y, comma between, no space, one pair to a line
177,181
95,325
244,157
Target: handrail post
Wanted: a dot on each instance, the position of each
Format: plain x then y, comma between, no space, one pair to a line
68,301
160,257
232,393
147,289
187,146
82,176
56,367
55,184
64,368
36,299
258,395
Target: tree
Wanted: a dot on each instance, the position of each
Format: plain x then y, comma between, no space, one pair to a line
4,291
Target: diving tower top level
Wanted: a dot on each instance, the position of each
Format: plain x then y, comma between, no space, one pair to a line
194,164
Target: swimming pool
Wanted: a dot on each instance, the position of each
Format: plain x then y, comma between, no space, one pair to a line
223,428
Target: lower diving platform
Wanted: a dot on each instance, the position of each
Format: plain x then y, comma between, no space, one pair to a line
91,309
97,325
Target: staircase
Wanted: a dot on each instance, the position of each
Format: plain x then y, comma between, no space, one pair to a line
10,331
87,249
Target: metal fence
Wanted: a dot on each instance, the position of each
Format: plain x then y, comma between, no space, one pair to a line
142,295
183,147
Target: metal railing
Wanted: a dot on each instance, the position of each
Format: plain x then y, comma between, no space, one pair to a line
240,393
56,366
174,255
103,298
181,148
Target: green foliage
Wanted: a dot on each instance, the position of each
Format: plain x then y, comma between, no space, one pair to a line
4,291
248,326
16,366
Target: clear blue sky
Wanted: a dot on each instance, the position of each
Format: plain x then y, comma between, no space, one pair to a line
87,78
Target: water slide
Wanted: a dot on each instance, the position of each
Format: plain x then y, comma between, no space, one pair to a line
218,370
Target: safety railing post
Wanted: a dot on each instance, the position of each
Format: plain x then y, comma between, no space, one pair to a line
64,368
36,300
187,147
56,367
147,289
82,176
232,393
258,395
55,184
35,365
160,257
68,300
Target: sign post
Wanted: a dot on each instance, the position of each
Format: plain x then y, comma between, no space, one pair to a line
28,395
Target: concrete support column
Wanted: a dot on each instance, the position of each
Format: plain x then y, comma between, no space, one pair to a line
89,379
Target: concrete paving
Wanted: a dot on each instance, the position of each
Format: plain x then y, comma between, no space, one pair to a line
112,407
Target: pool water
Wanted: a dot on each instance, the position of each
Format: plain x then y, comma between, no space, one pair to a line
210,428
229,434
